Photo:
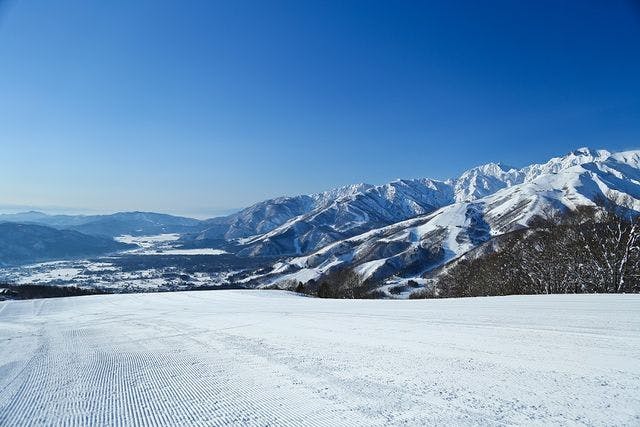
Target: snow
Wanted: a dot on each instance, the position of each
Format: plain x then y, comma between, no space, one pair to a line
201,251
369,268
163,244
148,241
54,275
103,274
275,358
299,276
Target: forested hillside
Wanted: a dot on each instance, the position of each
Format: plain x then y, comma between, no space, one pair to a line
587,251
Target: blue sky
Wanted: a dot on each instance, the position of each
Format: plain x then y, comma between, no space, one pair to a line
196,107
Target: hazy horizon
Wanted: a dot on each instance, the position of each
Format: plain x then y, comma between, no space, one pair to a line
73,210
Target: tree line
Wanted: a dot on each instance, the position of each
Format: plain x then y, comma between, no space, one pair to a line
340,284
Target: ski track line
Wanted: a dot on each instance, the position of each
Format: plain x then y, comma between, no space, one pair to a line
237,358
79,385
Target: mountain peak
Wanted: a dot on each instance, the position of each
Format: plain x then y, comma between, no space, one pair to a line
492,169
342,192
589,152
485,179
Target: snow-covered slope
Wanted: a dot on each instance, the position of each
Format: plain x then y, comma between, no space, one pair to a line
267,215
513,200
351,215
256,358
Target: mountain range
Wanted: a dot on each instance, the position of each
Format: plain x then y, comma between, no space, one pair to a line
403,228
432,222
133,223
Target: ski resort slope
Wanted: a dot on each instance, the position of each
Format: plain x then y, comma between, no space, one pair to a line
275,358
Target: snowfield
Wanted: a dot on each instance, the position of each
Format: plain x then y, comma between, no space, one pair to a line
275,358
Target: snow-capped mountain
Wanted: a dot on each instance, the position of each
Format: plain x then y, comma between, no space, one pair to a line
267,215
484,202
303,224
484,180
351,215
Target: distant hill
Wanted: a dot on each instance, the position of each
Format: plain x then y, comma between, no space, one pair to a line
27,243
133,223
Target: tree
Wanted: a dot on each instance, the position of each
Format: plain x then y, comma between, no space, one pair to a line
344,283
324,290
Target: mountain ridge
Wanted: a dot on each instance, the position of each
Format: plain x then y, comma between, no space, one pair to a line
415,245
108,225
381,205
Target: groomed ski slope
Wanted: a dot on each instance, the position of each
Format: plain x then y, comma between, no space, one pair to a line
275,358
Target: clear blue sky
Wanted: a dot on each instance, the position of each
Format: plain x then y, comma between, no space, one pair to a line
199,106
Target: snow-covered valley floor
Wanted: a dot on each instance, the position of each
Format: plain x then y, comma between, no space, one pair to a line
274,358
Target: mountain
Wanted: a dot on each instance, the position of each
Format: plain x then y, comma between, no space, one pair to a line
27,243
137,224
302,227
350,215
484,202
134,223
267,215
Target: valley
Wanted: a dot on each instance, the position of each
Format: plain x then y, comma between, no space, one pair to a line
152,264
